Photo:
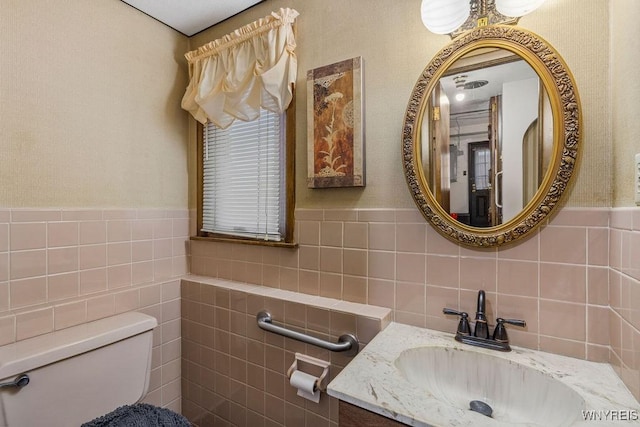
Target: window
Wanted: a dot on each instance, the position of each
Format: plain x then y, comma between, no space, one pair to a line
246,190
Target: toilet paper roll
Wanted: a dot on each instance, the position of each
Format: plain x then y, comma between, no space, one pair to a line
305,384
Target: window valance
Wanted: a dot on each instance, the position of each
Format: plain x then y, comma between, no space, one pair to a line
254,66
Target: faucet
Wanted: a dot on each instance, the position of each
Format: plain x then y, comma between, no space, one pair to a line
481,338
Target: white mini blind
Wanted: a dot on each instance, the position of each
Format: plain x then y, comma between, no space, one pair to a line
243,178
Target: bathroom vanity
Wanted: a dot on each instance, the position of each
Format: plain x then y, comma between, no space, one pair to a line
422,377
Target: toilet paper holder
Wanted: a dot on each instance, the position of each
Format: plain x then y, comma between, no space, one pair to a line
321,381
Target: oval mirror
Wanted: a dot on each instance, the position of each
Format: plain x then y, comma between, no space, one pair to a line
491,136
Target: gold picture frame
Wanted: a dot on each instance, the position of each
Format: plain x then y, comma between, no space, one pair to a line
335,132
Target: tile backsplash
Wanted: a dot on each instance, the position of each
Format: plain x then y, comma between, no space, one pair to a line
624,296
557,280
576,281
64,267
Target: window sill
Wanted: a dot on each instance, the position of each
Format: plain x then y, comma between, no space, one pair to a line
247,241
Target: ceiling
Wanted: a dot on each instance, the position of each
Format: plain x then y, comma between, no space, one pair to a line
496,76
191,16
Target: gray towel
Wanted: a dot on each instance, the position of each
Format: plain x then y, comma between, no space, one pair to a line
139,415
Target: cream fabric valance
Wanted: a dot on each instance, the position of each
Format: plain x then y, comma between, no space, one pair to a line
232,77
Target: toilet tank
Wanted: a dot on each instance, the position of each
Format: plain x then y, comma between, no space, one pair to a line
77,374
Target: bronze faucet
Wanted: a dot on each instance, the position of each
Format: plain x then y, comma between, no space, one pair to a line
480,338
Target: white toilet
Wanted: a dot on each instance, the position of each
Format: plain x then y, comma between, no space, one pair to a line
76,374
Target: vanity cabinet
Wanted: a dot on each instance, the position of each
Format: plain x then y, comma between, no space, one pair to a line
354,416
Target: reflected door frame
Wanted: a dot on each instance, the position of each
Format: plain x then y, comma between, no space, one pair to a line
479,198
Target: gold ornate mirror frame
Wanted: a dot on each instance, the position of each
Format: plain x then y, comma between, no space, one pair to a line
565,104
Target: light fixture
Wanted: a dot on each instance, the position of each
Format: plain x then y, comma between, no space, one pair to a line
517,7
454,17
444,16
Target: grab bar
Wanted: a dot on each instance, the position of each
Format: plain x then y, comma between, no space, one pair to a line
347,343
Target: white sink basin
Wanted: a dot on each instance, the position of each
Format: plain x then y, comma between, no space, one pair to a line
425,378
516,393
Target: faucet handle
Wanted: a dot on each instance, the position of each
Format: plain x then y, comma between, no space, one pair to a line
463,325
500,332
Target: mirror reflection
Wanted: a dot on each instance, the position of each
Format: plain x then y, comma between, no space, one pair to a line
489,139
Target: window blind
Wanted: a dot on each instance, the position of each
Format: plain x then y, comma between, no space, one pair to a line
243,178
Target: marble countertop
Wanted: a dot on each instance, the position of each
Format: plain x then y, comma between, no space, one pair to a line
373,382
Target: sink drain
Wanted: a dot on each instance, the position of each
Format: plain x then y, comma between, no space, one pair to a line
480,407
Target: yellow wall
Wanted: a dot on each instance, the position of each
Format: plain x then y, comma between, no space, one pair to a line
625,94
90,107
90,92
396,47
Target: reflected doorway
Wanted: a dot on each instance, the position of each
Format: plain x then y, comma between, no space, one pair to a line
479,164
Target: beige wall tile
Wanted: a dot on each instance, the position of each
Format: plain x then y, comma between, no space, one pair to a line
410,297
62,260
598,286
411,237
564,244
355,262
4,267
478,273
309,257
563,282
27,264
4,296
93,232
598,246
411,267
598,325
92,256
381,293
118,276
438,245
62,234
527,250
28,236
93,281
35,215
563,320
7,330
118,231
518,278
4,237
354,289
443,271
565,347
309,233
100,307
331,233
517,307
330,285
356,235
34,323
68,315
28,292
331,260
61,286
381,265
382,236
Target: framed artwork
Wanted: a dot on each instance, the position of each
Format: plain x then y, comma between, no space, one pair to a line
335,132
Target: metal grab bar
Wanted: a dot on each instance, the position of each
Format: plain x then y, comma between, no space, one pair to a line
347,343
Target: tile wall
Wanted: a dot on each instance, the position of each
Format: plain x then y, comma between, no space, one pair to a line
624,276
234,373
62,267
556,280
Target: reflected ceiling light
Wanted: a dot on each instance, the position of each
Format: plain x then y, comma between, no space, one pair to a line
460,96
517,8
444,16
